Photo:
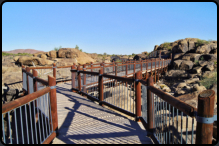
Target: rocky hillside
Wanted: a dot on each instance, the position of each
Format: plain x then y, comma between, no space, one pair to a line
30,51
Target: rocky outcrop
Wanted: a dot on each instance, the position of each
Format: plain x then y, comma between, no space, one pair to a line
25,60
186,65
140,57
67,53
53,54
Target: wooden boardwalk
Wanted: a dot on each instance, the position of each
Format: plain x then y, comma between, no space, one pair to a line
81,121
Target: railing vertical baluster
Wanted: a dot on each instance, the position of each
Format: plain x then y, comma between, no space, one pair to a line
3,129
181,127
22,131
192,130
15,119
173,127
9,127
31,121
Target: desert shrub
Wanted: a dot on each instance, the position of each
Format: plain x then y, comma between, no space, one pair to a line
56,48
166,45
209,80
202,42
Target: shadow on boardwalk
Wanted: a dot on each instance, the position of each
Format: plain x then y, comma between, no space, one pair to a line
83,121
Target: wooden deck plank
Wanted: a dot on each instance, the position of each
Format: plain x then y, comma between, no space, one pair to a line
82,121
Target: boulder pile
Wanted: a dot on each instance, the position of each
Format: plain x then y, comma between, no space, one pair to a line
193,61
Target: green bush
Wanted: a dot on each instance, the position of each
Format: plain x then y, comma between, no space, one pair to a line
210,80
202,42
56,49
166,45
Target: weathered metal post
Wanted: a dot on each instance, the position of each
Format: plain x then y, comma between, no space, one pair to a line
23,67
205,120
138,76
79,79
155,70
116,69
73,78
34,83
91,65
100,81
150,103
53,102
54,70
34,80
84,79
28,90
134,66
141,64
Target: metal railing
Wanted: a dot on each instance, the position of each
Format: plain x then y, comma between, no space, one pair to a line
31,119
167,119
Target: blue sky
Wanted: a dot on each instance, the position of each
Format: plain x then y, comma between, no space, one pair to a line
112,28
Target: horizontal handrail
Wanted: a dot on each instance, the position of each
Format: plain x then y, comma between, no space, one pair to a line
24,100
42,81
182,106
41,67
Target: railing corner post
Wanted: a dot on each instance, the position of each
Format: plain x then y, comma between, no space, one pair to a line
204,131
54,70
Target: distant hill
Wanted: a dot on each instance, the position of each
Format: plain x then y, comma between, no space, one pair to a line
30,51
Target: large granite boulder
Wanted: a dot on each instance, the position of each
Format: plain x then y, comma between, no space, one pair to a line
186,65
26,60
203,49
182,47
53,54
178,56
177,64
67,53
139,57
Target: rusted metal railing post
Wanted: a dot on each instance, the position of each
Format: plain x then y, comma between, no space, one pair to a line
54,70
84,79
28,90
138,76
91,65
100,81
141,64
160,54
34,81
73,78
204,130
113,66
53,102
79,79
126,69
134,67
155,71
35,84
116,69
23,67
150,103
